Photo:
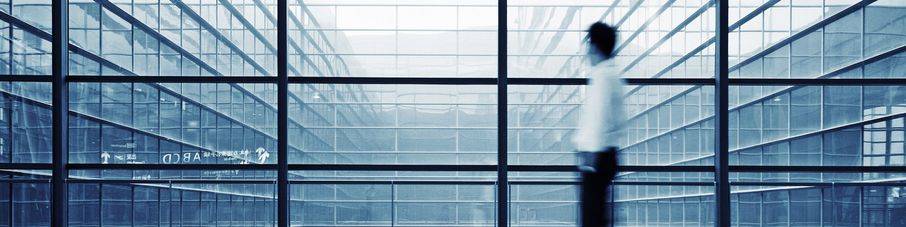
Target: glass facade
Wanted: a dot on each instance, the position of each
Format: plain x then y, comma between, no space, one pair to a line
399,113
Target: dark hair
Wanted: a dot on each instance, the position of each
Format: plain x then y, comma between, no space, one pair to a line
603,37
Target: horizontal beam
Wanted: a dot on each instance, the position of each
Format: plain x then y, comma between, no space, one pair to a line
818,82
394,80
96,166
456,182
817,184
371,167
400,182
26,166
173,181
26,78
621,168
25,181
172,79
464,168
819,169
460,80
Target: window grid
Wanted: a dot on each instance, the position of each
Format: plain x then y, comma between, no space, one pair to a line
188,137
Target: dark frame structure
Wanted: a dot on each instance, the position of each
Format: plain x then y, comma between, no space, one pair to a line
60,81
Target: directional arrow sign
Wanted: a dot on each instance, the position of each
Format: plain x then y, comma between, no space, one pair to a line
105,156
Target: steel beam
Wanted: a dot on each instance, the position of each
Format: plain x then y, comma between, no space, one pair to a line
60,108
502,181
282,115
721,123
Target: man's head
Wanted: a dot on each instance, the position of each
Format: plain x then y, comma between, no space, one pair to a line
602,39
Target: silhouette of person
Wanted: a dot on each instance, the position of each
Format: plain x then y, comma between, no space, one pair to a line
601,125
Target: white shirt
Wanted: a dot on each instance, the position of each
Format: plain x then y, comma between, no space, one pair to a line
602,122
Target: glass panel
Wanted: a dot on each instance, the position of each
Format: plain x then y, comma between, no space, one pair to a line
193,38
392,204
398,39
308,176
818,125
542,121
547,39
544,205
852,40
157,123
693,209
25,122
393,124
884,28
30,203
666,124
25,33
175,204
817,206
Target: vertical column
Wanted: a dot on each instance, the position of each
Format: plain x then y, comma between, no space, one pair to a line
60,102
282,116
721,129
502,182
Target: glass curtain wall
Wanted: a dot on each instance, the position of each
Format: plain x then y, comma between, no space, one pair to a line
450,112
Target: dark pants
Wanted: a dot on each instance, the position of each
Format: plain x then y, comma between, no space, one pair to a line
597,176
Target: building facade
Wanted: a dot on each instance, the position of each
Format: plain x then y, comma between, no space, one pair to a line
420,139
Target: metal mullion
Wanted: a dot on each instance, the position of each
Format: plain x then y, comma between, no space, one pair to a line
664,183
101,203
443,54
8,111
479,168
819,169
449,30
391,167
393,182
20,181
26,78
165,181
60,108
26,166
817,184
721,123
502,181
9,31
282,115
96,166
395,80
491,81
817,82
9,198
629,81
453,5
173,79
622,168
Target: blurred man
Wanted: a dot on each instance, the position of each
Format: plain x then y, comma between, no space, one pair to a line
601,125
